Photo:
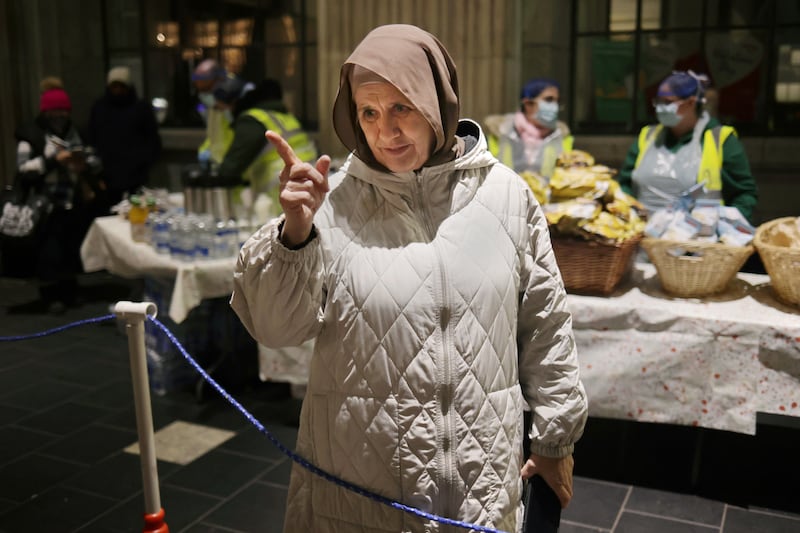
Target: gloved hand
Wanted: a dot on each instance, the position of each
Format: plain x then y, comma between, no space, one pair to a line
204,157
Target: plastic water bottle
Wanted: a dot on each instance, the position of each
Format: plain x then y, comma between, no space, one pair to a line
175,238
161,233
225,237
232,229
204,237
188,239
221,240
182,242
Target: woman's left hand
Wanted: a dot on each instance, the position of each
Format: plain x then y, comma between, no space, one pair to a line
556,471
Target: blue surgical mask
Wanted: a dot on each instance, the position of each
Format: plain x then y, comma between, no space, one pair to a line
207,99
547,113
667,114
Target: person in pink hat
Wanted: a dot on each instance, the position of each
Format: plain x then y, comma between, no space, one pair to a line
53,163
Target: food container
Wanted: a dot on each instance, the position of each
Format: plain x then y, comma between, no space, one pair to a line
781,261
692,269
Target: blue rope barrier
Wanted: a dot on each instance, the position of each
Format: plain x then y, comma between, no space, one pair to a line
302,461
58,329
260,427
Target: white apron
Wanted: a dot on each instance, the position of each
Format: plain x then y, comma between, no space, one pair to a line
662,176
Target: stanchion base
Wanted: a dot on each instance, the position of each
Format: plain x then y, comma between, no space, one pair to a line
154,523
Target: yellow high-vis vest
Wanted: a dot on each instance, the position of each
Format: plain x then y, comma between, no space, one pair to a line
219,135
504,152
710,171
266,168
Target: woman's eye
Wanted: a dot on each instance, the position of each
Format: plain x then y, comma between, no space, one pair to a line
401,109
368,115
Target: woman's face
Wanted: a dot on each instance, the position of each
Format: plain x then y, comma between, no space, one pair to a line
398,135
550,94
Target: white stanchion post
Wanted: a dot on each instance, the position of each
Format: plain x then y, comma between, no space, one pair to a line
134,314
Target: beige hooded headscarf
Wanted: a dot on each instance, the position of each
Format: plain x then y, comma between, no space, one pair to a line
419,66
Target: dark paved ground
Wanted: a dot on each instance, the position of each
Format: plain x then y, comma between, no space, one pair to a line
66,416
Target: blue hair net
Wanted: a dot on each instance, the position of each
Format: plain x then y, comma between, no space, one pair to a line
683,85
535,86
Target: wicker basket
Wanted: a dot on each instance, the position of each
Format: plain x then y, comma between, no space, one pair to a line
781,262
707,271
592,267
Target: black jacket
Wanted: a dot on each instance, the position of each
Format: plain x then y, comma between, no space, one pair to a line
124,132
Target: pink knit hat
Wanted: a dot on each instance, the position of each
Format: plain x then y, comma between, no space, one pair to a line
54,99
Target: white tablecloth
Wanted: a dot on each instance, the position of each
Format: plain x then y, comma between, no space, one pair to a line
713,362
108,246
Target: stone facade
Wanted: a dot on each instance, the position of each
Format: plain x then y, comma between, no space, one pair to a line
496,44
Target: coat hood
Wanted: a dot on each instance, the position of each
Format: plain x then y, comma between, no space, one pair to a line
419,66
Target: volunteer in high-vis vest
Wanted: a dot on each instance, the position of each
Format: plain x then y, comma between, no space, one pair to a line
687,147
532,138
206,77
250,158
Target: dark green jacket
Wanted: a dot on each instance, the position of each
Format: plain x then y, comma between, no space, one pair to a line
248,142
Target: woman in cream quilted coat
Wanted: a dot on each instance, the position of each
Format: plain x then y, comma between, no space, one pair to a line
424,271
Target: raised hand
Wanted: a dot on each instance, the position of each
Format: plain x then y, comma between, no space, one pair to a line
303,188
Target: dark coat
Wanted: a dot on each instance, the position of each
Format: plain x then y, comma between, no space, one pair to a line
124,132
53,252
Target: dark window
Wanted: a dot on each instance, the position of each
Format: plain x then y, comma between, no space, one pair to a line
163,40
749,49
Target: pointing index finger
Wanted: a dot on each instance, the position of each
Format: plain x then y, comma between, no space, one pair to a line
283,148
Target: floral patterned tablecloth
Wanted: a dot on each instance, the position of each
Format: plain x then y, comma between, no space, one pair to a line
712,362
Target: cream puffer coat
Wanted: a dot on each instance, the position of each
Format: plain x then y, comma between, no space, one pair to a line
437,309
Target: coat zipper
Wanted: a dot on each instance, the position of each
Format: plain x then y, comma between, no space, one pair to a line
445,386
423,205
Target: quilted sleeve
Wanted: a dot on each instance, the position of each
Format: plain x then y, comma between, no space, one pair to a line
277,292
548,358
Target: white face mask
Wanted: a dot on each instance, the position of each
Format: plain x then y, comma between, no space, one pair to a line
547,113
207,99
667,114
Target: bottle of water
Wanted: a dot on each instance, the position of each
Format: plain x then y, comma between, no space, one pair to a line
182,241
147,234
175,237
222,239
204,237
188,239
161,233
232,228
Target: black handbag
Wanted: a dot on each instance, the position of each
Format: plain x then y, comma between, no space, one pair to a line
542,507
